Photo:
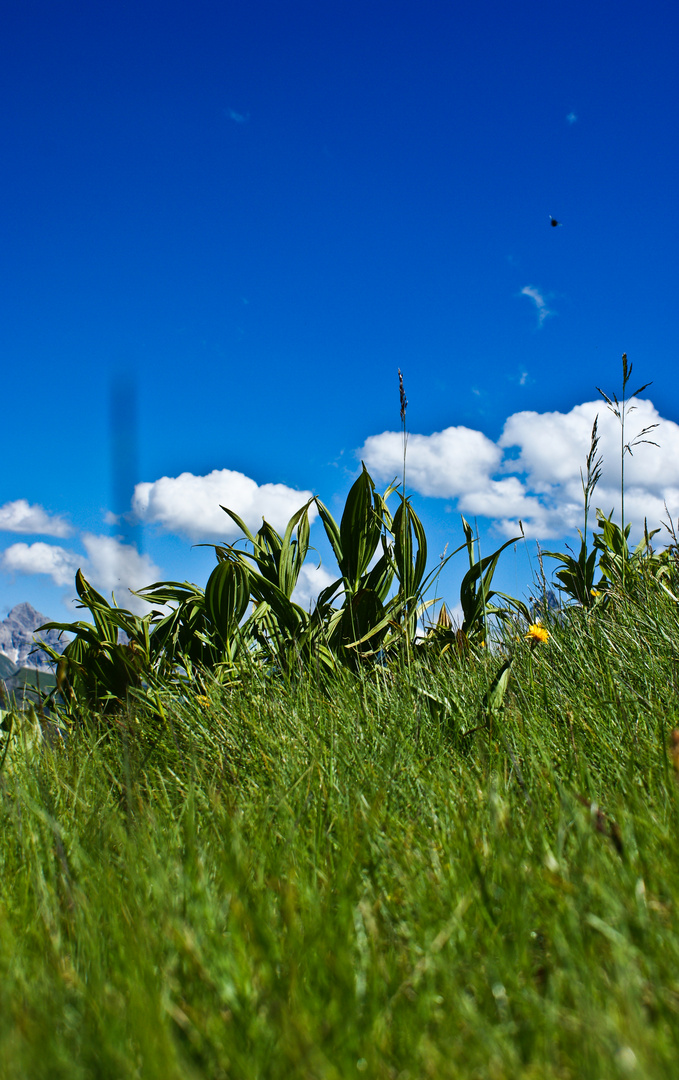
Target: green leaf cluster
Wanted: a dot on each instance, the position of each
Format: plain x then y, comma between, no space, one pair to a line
246,615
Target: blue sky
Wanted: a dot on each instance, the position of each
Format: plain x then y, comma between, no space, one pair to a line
226,226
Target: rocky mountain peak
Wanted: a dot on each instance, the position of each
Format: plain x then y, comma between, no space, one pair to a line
16,637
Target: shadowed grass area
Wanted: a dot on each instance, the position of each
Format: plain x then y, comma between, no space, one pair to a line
388,880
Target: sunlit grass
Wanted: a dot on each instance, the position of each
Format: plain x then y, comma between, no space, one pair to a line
383,880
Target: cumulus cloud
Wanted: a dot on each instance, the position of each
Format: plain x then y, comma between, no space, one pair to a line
41,558
446,463
20,517
538,299
191,505
113,566
109,565
532,472
551,451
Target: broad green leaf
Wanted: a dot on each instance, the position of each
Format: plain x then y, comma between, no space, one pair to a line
332,530
226,597
360,529
294,551
239,522
494,699
363,619
475,590
410,551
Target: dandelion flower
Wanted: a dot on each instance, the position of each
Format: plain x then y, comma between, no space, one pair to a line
537,633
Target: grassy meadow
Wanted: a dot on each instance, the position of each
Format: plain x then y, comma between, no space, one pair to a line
394,876
243,840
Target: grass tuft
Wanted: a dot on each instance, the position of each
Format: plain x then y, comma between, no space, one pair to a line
386,880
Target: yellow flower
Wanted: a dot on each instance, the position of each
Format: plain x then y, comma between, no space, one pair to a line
537,633
203,701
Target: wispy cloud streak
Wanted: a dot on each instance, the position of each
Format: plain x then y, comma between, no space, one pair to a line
538,299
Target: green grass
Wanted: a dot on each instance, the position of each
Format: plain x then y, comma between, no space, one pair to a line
287,883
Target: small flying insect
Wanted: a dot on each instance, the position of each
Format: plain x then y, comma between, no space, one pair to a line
553,222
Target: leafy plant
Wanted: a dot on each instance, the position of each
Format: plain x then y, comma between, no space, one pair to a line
97,668
476,594
476,600
371,613
619,565
204,628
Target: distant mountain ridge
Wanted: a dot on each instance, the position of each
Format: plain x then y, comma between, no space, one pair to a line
17,643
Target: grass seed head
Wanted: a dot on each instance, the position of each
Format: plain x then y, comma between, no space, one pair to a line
402,396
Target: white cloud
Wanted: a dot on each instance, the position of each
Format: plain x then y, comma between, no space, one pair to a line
571,118
552,448
446,463
108,566
41,558
112,566
20,517
532,473
191,505
538,299
238,118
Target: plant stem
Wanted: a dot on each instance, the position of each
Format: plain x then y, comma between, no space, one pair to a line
404,524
